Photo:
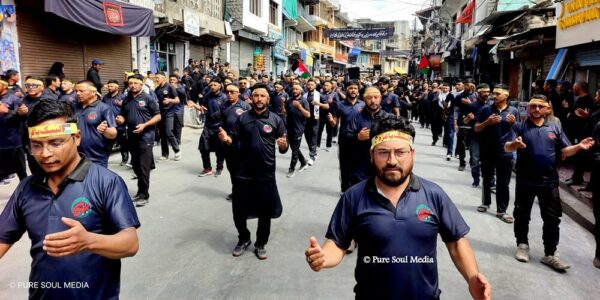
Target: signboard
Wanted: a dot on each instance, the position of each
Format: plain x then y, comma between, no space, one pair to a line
191,22
359,33
578,22
391,53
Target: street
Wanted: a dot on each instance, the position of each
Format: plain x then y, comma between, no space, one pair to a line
187,235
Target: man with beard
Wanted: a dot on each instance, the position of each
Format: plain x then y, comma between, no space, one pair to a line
328,96
140,113
209,140
359,134
466,134
96,121
77,214
178,110
341,114
436,111
576,122
297,112
231,111
52,90
445,98
389,101
387,265
462,107
34,87
68,93
278,104
316,103
114,99
167,100
255,193
540,145
11,148
494,123
245,91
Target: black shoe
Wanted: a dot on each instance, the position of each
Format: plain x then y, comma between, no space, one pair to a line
240,248
475,184
461,168
218,172
433,143
140,201
573,181
493,189
260,252
229,197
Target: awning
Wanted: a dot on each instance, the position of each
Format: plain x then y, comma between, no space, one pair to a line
558,63
502,17
108,16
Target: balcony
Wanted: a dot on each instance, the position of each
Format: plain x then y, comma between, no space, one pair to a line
326,49
317,21
309,2
304,24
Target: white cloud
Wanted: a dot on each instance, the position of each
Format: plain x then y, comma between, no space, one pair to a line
383,10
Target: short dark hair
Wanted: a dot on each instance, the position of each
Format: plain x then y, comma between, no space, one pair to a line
392,122
51,78
501,86
136,76
260,86
11,73
278,82
112,81
352,82
583,84
552,83
173,75
48,109
483,86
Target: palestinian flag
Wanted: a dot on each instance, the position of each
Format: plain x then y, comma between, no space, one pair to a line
423,66
302,71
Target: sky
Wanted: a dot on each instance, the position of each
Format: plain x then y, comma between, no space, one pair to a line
383,10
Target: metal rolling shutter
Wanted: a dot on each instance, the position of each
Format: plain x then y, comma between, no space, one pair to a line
587,58
113,50
246,53
197,52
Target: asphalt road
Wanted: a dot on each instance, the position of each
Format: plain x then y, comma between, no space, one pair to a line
187,235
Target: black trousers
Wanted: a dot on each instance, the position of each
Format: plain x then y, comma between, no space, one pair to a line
167,137
255,199
233,162
209,141
437,125
324,124
296,152
596,202
142,161
12,161
502,165
461,145
551,211
310,133
123,144
178,126
581,159
345,157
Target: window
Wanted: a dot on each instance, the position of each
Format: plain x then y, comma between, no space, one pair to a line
273,12
312,10
255,7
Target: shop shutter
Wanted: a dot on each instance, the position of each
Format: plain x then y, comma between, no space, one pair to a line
113,50
235,57
588,58
246,53
197,52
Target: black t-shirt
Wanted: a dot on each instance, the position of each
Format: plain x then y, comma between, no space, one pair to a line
296,121
138,110
493,137
162,92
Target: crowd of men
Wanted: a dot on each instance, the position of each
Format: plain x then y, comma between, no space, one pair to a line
247,119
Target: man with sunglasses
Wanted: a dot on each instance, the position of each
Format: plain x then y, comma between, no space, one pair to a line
540,145
78,215
395,217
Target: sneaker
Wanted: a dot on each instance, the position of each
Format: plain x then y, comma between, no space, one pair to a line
163,158
140,201
448,157
310,162
303,167
260,252
177,156
597,262
291,174
328,149
206,172
482,208
475,184
218,172
461,168
4,182
522,253
133,177
334,141
555,262
493,189
433,143
240,248
229,197
128,165
11,177
123,163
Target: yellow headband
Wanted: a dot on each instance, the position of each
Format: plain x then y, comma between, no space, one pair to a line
67,81
44,131
4,82
134,80
538,101
260,88
34,81
112,85
89,86
371,91
392,135
483,90
501,91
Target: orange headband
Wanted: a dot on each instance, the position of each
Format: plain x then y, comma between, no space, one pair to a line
392,135
44,131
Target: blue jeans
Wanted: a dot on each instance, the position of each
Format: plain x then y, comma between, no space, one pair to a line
475,160
449,135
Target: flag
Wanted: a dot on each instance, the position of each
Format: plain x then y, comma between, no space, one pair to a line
423,66
302,71
466,16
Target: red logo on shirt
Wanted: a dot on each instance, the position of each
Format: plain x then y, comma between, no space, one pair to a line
551,135
239,111
92,116
424,213
267,128
142,103
81,207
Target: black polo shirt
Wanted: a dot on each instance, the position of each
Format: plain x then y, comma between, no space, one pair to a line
138,110
362,167
344,110
493,137
256,135
389,102
231,113
162,92
397,257
213,103
92,195
10,122
115,102
330,98
69,98
296,121
93,144
276,102
537,163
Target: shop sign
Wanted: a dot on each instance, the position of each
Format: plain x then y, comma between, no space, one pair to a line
359,33
578,22
191,22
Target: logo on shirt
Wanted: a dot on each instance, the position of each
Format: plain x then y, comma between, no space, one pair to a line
267,128
389,101
142,103
92,116
551,135
81,207
424,213
239,111
165,92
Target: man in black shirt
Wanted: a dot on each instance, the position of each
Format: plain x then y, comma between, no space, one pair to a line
168,101
297,112
582,108
255,192
93,73
315,102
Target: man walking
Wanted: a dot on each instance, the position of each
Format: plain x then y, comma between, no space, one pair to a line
298,110
11,148
313,97
114,99
93,73
167,100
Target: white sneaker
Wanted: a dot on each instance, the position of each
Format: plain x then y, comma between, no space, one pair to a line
310,162
291,174
177,156
303,167
522,253
448,157
163,158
